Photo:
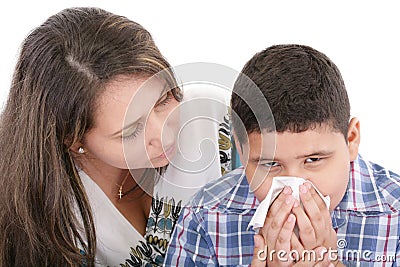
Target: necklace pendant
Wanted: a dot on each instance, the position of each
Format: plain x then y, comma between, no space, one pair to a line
120,194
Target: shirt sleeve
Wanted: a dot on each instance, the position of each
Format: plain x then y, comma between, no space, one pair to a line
190,244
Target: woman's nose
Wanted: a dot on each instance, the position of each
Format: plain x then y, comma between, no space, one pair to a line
159,131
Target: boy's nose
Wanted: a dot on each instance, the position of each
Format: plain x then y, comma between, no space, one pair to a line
294,173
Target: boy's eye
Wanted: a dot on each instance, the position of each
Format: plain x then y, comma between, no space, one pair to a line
311,160
271,164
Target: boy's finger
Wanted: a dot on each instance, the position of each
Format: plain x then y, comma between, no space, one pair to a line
315,216
323,257
321,205
285,235
277,222
276,217
317,198
276,205
317,258
260,253
305,227
296,245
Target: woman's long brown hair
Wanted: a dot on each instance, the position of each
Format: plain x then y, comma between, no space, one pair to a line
63,65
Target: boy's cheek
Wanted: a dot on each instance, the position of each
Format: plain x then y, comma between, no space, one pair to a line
333,187
259,182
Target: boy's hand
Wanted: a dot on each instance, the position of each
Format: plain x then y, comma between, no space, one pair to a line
314,220
277,235
314,223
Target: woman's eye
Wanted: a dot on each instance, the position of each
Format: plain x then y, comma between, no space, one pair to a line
130,136
165,99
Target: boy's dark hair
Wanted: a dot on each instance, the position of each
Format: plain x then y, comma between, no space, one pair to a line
302,87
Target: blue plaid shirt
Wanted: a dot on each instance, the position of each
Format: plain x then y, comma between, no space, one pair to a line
213,229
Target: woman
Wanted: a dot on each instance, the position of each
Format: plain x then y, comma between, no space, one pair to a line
67,195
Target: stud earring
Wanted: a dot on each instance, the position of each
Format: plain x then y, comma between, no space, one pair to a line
81,150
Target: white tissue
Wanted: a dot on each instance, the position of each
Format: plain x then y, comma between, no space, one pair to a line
278,183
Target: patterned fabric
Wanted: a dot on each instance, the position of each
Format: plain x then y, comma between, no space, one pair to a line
213,230
163,217
225,145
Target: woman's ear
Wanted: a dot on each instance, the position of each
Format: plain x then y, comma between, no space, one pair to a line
76,147
353,138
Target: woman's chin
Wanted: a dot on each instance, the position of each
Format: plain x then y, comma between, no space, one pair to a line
160,163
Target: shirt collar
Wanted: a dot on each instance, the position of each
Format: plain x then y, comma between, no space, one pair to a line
240,198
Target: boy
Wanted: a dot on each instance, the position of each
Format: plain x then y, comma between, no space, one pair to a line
313,138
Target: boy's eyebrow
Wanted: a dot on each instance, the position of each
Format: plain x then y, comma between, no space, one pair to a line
260,158
315,154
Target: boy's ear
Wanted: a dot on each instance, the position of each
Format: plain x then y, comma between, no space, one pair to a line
353,138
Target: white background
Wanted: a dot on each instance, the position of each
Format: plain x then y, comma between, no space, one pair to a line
361,37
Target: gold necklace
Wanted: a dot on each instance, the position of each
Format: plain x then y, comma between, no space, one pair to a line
120,194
